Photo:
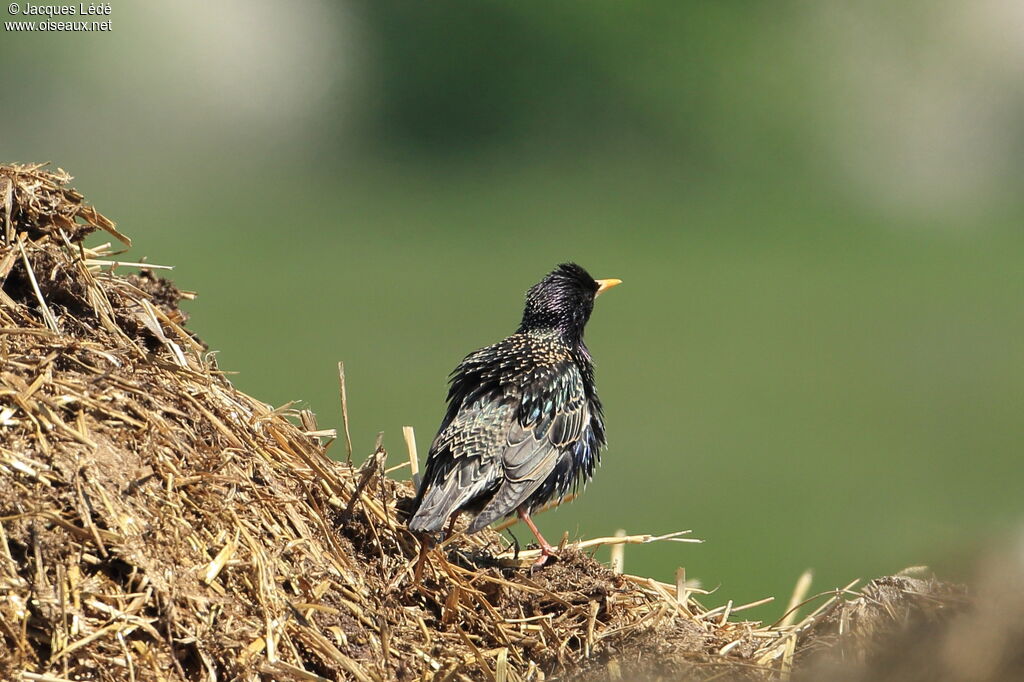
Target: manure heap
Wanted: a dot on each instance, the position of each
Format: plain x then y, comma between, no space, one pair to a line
158,524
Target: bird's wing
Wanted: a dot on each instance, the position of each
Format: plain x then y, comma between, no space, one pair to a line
551,416
463,461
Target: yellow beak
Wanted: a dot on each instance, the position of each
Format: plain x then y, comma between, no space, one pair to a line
604,285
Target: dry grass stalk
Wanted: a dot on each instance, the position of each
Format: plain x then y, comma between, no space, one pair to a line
800,590
618,556
409,434
158,524
343,392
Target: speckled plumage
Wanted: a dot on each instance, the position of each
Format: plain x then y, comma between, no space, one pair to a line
524,422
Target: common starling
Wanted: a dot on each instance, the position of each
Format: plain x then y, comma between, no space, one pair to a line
524,423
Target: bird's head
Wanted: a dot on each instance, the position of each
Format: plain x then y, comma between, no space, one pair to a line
563,301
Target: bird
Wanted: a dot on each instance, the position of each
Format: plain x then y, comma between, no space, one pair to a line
524,423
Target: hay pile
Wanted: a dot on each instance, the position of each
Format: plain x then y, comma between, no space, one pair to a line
157,524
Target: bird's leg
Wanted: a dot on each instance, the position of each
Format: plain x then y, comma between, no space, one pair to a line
546,550
426,542
451,524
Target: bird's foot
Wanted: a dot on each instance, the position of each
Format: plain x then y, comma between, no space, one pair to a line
547,555
546,550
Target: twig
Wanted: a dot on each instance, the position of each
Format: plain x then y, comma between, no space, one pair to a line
48,317
618,558
616,540
372,465
682,594
414,463
803,585
344,412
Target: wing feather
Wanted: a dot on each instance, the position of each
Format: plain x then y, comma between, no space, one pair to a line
506,433
550,419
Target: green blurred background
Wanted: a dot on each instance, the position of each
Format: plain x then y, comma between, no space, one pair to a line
817,357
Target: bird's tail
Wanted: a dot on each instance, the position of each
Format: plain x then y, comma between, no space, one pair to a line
431,510
505,502
444,497
426,523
